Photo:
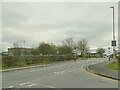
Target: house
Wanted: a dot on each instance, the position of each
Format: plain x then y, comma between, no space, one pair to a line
19,51
5,53
93,53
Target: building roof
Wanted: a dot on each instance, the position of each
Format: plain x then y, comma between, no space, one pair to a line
20,48
92,51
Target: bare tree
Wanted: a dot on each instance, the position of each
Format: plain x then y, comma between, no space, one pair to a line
15,45
82,45
69,42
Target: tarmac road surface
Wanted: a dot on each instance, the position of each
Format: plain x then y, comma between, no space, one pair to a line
68,74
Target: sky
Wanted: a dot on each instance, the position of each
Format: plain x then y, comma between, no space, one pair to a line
53,22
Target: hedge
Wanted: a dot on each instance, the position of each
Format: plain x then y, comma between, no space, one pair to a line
20,61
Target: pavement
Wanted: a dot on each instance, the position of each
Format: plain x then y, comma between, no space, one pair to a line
102,70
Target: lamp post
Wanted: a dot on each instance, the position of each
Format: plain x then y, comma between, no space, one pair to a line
113,41
24,49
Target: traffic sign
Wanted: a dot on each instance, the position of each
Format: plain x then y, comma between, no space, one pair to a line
113,42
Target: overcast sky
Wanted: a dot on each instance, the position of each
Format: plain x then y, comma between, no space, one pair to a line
35,22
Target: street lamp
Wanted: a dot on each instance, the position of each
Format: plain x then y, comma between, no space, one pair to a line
113,41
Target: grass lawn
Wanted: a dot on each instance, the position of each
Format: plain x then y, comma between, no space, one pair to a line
114,65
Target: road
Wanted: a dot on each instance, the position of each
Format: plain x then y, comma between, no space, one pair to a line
68,74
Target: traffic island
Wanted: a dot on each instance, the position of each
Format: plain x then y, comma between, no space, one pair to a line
102,70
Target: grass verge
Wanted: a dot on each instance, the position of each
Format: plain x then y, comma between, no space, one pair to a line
114,65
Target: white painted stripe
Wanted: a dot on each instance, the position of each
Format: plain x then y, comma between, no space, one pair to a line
62,72
11,87
32,85
32,70
47,86
24,83
56,72
82,67
27,82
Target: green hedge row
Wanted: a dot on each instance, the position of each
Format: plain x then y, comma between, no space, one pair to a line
20,61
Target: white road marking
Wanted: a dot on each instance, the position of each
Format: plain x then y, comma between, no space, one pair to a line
82,67
47,86
56,72
11,87
62,72
27,82
32,85
50,86
24,83
32,70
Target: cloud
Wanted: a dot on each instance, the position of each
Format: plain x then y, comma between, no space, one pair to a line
54,22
